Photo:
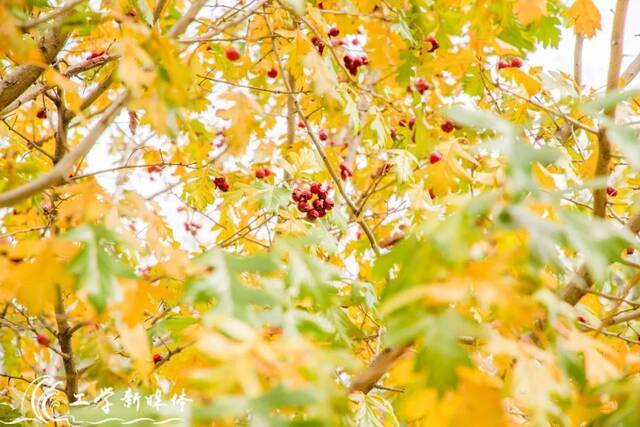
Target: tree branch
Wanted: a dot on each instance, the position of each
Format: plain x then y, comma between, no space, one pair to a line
49,16
23,76
186,19
631,72
577,60
58,173
613,79
380,365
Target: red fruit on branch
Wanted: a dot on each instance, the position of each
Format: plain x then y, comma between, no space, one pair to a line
612,191
323,135
422,86
503,64
42,113
432,194
267,171
516,62
303,206
434,44
412,122
328,204
318,44
221,183
157,358
333,32
448,126
232,53
318,204
272,73
582,319
260,174
313,214
43,340
301,125
315,187
95,54
435,157
345,171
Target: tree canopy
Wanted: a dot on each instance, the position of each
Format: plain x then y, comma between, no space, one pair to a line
300,212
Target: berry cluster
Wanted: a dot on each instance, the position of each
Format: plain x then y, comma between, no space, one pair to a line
354,62
192,228
345,172
314,207
221,183
515,63
263,173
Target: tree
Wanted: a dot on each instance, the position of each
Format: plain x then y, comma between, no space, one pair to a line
316,213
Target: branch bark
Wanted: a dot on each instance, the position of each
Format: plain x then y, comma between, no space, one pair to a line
577,60
581,280
631,72
64,338
613,79
49,16
23,76
381,364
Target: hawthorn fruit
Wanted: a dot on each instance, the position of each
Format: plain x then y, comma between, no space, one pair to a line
232,53
43,340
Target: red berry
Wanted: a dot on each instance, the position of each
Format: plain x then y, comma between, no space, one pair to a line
322,194
582,319
157,358
333,32
260,174
272,73
95,54
267,171
516,62
315,188
503,64
323,135
43,340
313,214
412,122
435,157
318,204
318,44
612,192
393,133
303,206
355,42
448,126
328,204
295,194
42,113
422,86
301,125
307,195
232,53
432,194
434,43
322,213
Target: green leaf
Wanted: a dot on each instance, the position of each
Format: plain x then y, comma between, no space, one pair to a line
627,139
442,354
599,241
95,266
572,365
224,285
608,101
272,197
472,81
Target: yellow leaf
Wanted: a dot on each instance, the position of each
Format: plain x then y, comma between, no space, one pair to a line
530,83
529,11
135,343
243,121
545,178
325,81
585,16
